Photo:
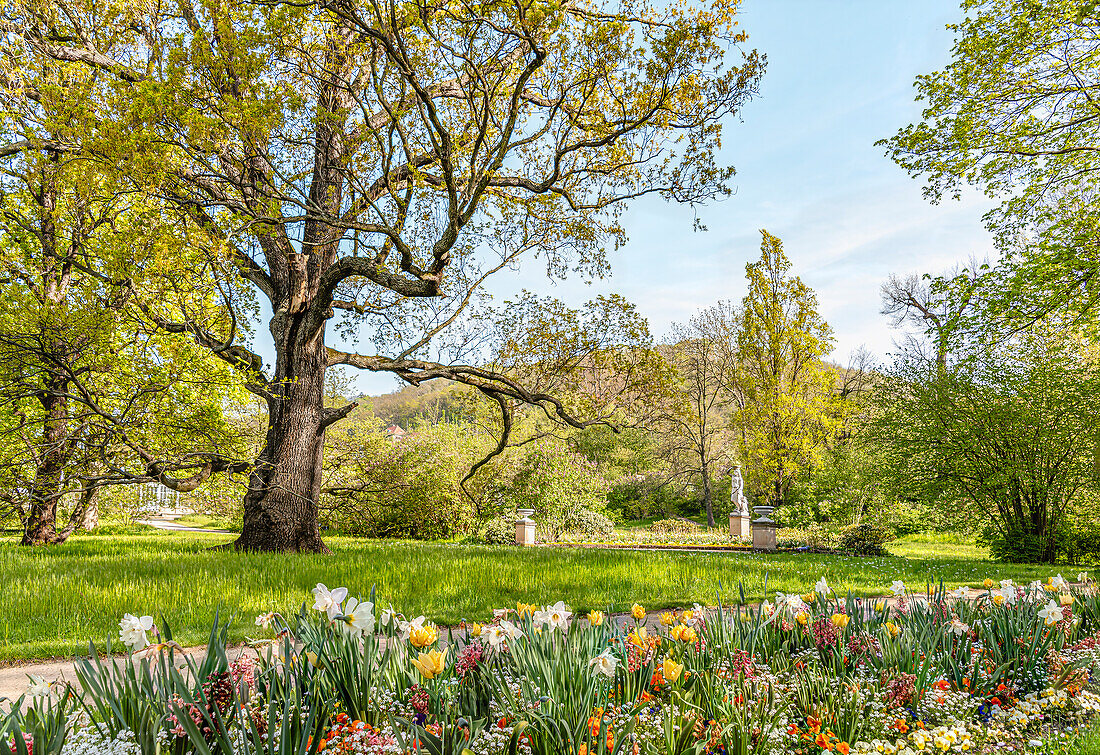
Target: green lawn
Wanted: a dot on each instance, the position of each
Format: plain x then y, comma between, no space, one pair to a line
58,598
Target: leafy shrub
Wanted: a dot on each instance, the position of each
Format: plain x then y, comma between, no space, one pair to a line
821,537
864,539
674,527
588,524
500,530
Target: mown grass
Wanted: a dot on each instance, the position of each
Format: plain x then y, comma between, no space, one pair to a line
56,599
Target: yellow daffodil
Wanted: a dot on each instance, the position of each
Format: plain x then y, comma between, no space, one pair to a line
595,618
668,619
841,620
987,583
671,670
1065,599
431,664
998,598
880,606
422,636
892,628
475,629
525,609
637,612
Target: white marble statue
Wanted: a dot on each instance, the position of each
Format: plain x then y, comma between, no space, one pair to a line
737,492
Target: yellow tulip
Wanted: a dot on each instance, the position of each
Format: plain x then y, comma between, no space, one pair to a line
431,664
475,629
670,669
639,637
637,612
689,635
841,620
525,609
668,619
987,583
892,628
677,631
1065,599
802,617
595,618
880,606
421,637
687,616
809,598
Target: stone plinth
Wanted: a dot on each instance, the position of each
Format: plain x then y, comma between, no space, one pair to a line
525,531
739,526
763,536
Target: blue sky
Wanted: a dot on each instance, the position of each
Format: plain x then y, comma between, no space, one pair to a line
839,77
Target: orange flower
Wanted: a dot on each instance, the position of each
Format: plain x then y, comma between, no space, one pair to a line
943,685
842,748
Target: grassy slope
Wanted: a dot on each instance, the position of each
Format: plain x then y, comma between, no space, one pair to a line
58,598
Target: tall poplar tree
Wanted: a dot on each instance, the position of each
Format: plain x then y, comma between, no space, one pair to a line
785,392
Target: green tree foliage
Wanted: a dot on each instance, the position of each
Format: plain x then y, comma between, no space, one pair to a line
377,161
785,394
1004,437
1015,113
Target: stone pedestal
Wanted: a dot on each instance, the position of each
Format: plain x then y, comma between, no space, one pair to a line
763,536
525,530
739,526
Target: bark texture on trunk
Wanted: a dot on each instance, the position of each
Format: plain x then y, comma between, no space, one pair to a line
40,527
280,507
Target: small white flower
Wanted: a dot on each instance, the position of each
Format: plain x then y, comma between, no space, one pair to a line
1052,614
498,634
1082,576
328,600
264,619
511,631
958,627
604,663
1059,582
1006,583
557,616
898,588
358,618
822,587
38,687
131,630
406,627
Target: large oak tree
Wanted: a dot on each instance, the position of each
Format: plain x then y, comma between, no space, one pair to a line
379,160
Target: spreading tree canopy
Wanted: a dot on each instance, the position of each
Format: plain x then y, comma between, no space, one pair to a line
375,161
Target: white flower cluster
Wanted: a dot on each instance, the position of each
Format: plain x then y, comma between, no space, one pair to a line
86,740
954,738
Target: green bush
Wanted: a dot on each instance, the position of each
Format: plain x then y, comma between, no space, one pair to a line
864,539
588,524
500,530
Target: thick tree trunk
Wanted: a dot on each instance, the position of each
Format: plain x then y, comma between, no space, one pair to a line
40,527
280,508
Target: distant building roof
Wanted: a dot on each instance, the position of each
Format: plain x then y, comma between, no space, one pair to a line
395,431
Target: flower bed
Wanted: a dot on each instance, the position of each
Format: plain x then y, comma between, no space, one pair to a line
1002,669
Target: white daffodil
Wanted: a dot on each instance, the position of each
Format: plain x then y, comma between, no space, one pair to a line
604,663
898,588
1007,583
960,592
1082,576
1052,614
388,616
511,631
264,619
38,687
1009,594
557,616
1059,582
406,627
131,630
958,627
822,587
328,600
358,617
